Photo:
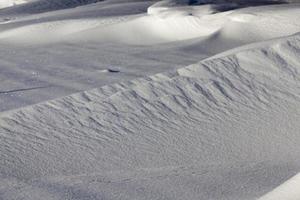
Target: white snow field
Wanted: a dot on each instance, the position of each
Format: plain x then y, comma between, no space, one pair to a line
131,99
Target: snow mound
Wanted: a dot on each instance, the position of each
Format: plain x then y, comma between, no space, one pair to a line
204,120
226,127
214,29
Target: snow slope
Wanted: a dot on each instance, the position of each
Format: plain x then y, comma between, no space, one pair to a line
225,128
120,35
141,100
209,22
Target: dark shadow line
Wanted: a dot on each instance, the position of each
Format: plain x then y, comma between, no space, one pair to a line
23,89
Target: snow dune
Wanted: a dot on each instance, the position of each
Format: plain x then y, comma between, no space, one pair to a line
225,128
209,24
120,34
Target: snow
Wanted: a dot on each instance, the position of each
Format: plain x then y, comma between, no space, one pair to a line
288,190
149,100
9,3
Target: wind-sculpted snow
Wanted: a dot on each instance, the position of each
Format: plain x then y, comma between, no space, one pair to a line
225,128
213,29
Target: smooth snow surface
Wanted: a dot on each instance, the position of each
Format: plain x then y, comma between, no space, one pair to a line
128,99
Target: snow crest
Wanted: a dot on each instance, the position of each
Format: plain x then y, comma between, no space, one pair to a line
237,110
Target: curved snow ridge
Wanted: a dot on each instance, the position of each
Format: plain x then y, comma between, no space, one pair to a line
216,32
287,191
221,111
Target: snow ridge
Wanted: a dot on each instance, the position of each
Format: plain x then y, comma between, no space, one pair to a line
227,111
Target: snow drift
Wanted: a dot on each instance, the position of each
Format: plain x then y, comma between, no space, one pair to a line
226,127
241,109
216,30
